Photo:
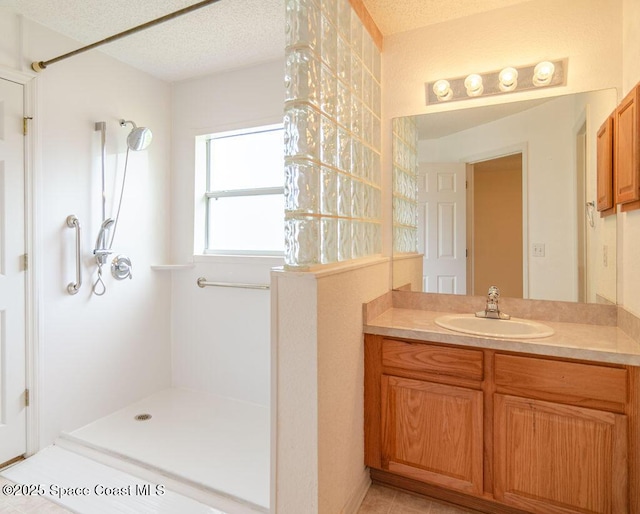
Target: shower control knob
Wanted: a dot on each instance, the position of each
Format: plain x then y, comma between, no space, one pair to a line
121,267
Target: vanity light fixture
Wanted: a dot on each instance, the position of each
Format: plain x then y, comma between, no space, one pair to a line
543,73
442,90
473,85
510,79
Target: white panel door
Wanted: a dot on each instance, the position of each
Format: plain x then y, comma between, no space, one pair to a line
442,231
12,274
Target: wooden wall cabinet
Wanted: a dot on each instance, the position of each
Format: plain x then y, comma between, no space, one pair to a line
627,151
502,432
605,165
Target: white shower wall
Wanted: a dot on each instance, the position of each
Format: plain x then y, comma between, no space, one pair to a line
220,336
96,354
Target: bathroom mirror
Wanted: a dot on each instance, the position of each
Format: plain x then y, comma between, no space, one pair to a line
502,195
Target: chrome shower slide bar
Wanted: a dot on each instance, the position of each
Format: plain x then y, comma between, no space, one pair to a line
74,222
203,282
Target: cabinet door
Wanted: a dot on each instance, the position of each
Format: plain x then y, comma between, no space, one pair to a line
627,147
433,433
605,165
552,458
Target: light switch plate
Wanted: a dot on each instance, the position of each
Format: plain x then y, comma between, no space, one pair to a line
537,249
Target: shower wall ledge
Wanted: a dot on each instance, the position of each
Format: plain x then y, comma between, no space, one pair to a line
171,267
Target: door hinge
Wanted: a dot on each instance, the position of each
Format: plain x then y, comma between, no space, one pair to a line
26,397
25,262
25,124
466,184
466,253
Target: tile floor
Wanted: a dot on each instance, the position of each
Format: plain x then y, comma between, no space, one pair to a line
383,500
379,500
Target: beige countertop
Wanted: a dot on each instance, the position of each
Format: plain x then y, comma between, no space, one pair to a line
597,343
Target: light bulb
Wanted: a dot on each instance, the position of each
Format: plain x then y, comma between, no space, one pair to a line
508,79
442,89
474,86
543,73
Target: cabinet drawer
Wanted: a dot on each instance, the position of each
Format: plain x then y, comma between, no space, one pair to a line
438,360
566,382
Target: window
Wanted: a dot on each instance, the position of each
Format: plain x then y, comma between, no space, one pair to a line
245,193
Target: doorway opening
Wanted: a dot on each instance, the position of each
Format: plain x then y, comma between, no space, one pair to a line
495,226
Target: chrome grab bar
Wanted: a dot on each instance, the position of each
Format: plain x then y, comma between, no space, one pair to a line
203,282
73,222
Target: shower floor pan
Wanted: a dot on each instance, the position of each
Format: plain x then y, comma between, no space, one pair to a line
201,445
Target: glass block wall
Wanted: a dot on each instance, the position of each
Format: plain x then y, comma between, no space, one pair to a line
405,174
333,201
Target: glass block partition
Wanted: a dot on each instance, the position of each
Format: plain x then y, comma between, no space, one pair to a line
405,175
333,201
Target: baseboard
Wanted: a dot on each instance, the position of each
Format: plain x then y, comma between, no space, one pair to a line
358,494
479,504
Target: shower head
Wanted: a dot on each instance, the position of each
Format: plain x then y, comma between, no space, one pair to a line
139,137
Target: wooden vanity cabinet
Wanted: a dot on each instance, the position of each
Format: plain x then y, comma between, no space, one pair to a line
627,151
425,412
432,422
502,432
556,458
560,445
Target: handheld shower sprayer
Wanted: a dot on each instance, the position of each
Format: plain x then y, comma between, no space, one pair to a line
101,250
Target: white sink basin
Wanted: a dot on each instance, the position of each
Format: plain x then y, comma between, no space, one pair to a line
513,328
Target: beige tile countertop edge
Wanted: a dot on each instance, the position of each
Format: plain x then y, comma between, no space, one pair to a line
596,343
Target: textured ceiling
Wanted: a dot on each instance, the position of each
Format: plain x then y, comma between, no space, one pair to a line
394,16
224,35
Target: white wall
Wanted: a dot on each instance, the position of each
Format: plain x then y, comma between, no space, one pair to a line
342,475
220,336
629,231
97,354
319,356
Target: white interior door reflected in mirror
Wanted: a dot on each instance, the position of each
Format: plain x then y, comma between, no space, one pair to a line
441,222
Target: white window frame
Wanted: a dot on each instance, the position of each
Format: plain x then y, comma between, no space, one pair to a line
211,195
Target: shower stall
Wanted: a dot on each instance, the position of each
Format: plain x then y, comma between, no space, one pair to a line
203,441
157,376
176,373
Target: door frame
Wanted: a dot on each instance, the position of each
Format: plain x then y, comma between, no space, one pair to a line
582,254
33,280
496,154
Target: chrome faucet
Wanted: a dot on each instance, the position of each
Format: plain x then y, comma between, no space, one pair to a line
492,310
